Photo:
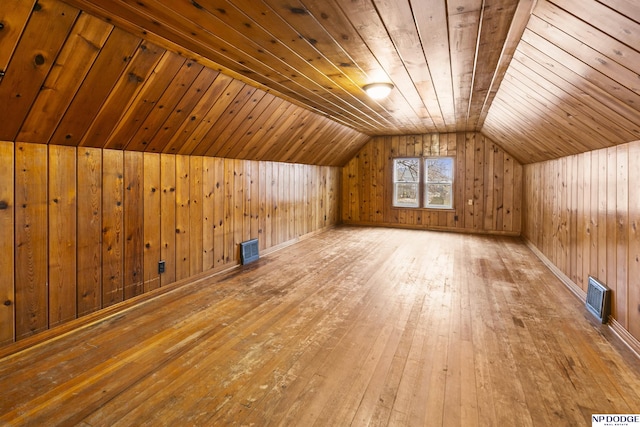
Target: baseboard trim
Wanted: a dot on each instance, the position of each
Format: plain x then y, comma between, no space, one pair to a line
624,335
431,228
575,289
627,339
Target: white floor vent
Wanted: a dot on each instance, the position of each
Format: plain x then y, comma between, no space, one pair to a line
249,251
598,299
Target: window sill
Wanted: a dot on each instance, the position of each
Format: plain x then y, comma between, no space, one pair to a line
425,209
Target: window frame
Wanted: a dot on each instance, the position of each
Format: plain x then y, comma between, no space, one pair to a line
422,184
425,183
397,183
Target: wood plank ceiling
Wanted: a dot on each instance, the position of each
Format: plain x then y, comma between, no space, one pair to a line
282,79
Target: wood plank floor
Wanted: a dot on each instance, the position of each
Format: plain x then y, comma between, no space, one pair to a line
355,326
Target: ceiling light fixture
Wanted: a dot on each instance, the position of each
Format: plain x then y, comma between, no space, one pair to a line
378,90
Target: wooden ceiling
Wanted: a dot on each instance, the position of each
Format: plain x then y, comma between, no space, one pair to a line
70,78
282,79
442,56
573,84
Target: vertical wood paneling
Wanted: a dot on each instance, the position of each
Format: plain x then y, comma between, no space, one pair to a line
246,202
460,176
240,192
208,199
611,263
508,186
133,276
62,234
484,174
633,301
602,215
268,201
183,234
152,213
31,236
7,297
498,176
517,196
254,201
595,196
490,200
89,243
478,182
573,221
112,227
219,199
262,206
228,236
92,224
622,231
168,217
469,164
196,255
580,225
593,237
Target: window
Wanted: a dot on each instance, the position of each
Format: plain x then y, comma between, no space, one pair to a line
406,180
423,182
438,182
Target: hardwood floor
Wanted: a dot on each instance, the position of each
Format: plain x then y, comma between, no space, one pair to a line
355,326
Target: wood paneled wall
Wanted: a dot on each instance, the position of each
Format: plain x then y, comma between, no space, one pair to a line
484,174
582,213
84,228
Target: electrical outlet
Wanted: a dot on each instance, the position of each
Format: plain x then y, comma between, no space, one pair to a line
161,267
470,202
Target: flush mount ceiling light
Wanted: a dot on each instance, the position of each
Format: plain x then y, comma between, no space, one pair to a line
378,90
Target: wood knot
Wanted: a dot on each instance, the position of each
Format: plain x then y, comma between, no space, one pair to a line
7,303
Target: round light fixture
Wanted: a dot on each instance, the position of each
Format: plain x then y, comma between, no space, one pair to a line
378,90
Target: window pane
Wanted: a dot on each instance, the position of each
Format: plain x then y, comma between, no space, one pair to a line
439,170
405,194
406,170
438,195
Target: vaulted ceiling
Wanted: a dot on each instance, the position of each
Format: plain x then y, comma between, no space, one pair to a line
282,79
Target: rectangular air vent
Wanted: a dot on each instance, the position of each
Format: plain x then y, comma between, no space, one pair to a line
598,299
249,251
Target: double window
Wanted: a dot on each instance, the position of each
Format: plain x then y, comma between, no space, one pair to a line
423,182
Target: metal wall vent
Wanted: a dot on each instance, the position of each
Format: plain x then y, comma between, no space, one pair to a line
598,299
249,251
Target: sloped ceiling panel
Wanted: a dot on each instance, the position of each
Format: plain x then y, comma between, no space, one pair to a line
442,56
573,84
73,79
